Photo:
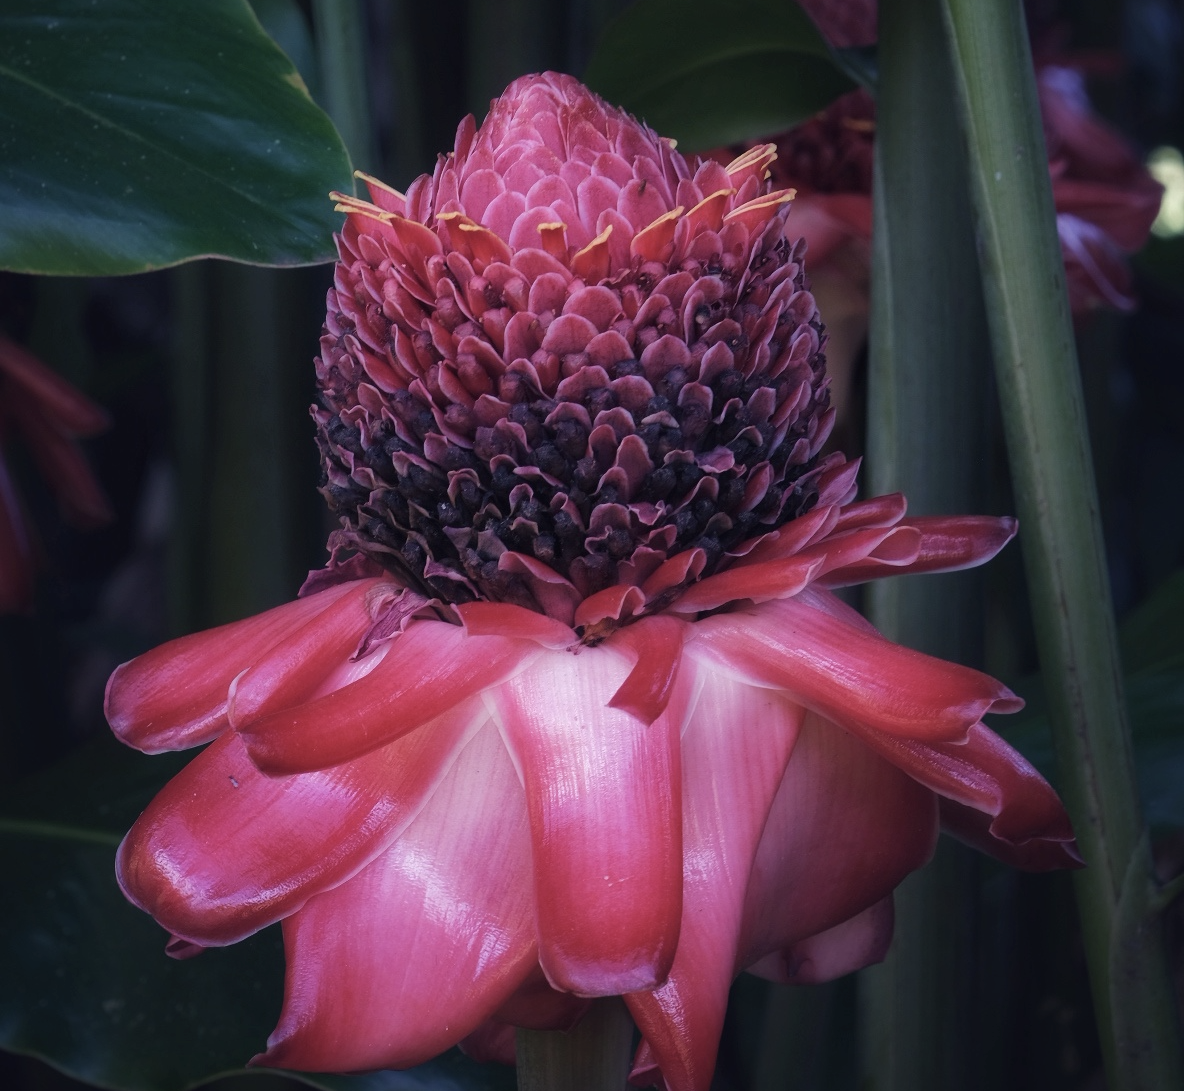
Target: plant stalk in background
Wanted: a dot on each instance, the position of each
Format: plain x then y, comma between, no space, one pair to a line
925,437
1040,391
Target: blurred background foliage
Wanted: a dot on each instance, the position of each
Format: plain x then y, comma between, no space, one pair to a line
205,372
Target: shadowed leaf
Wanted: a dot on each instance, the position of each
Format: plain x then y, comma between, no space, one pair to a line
137,135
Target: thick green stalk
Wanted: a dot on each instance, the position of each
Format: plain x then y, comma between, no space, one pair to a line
927,383
593,1056
341,49
1040,393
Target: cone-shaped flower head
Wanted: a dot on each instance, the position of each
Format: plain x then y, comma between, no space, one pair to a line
568,349
578,716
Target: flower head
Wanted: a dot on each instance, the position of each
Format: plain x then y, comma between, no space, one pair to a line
578,714
566,358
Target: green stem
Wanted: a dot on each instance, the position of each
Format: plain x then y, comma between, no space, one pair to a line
1040,392
927,383
593,1056
341,49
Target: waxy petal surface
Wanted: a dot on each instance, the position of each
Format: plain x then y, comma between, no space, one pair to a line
174,696
861,941
1020,819
847,673
430,668
506,619
224,850
948,544
657,642
289,673
446,906
734,754
603,793
845,828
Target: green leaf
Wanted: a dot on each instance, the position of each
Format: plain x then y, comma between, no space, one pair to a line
84,981
287,26
1152,635
710,74
135,135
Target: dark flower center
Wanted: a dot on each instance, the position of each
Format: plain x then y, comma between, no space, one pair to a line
624,463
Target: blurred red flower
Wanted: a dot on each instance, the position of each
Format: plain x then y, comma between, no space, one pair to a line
49,415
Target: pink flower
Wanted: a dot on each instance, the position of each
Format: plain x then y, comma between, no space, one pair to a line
579,715
49,415
1106,200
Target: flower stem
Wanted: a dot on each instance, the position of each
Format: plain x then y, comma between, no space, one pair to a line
927,383
593,1056
1044,421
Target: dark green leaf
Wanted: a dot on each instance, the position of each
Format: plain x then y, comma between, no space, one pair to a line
709,75
84,980
1153,634
88,987
135,135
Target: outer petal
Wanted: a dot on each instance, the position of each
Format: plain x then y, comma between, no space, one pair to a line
429,669
657,642
500,618
224,850
861,941
948,544
447,906
996,799
290,672
847,673
734,754
992,797
845,828
537,1006
759,581
491,1041
604,800
174,696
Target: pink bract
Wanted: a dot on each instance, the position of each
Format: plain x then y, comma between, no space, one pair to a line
573,711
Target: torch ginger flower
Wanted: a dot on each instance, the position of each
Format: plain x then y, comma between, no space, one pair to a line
573,711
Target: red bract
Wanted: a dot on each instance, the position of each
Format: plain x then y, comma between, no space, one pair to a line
49,415
1105,198
580,715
